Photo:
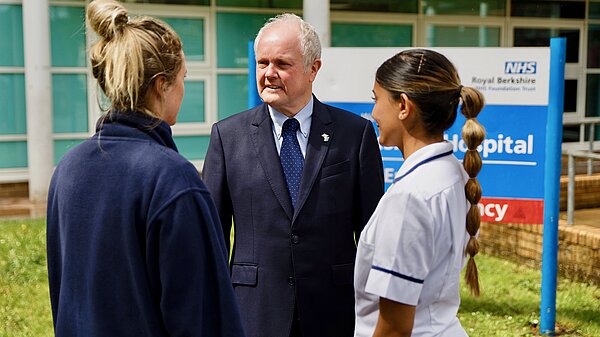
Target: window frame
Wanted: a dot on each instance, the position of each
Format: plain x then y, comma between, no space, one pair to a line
573,71
17,174
463,20
584,143
79,70
197,128
376,18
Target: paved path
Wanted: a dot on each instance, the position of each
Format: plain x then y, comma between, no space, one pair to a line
20,208
584,219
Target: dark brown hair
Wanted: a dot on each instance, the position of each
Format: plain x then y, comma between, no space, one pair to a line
432,83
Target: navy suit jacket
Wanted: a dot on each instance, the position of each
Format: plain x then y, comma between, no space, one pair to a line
283,257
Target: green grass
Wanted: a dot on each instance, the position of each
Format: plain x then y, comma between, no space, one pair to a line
508,306
24,300
510,303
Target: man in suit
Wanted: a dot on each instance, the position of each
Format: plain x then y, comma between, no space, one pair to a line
300,179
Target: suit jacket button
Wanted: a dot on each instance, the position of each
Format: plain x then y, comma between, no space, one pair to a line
295,239
291,281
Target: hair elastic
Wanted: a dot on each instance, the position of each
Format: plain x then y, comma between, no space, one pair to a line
459,91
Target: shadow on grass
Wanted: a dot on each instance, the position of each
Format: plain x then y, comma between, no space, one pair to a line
496,307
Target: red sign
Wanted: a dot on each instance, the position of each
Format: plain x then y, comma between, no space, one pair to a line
503,210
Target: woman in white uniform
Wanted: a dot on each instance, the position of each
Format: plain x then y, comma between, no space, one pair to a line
413,248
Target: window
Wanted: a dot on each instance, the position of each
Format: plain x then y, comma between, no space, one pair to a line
370,35
593,55
13,154
592,106
592,102
62,146
67,34
13,124
439,35
464,7
193,105
587,129
594,10
70,111
540,37
233,94
234,31
192,147
566,9
571,133
191,32
69,103
570,99
12,109
395,6
170,2
537,33
296,4
11,43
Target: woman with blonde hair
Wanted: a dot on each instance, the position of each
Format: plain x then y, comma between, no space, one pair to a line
413,248
133,238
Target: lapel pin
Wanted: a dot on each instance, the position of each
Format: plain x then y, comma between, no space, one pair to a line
325,137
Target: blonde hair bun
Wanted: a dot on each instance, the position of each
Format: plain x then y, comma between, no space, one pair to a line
107,18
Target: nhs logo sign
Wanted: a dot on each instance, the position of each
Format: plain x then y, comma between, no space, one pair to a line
520,67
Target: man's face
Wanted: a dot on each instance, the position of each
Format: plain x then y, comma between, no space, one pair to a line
280,76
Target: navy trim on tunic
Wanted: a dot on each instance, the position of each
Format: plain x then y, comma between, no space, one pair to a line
397,274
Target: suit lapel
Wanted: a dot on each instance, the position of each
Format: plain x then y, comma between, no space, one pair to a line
319,139
264,145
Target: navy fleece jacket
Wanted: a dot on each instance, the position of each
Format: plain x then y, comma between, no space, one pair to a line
134,241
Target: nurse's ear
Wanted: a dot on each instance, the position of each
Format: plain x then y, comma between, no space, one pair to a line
407,107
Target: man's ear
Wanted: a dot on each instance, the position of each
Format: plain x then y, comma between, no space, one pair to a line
314,69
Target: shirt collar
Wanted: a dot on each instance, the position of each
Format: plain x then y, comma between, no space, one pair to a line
422,154
303,116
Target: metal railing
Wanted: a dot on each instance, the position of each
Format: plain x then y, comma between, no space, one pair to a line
572,154
591,122
571,185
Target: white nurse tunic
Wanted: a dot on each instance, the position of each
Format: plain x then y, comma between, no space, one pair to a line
412,249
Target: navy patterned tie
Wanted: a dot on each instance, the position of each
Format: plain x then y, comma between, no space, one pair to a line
291,158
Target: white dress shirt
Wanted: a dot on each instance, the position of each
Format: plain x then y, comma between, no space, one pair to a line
304,117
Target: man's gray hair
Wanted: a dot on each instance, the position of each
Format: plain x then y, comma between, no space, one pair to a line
310,45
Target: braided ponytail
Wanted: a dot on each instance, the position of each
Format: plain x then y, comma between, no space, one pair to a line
473,134
432,83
